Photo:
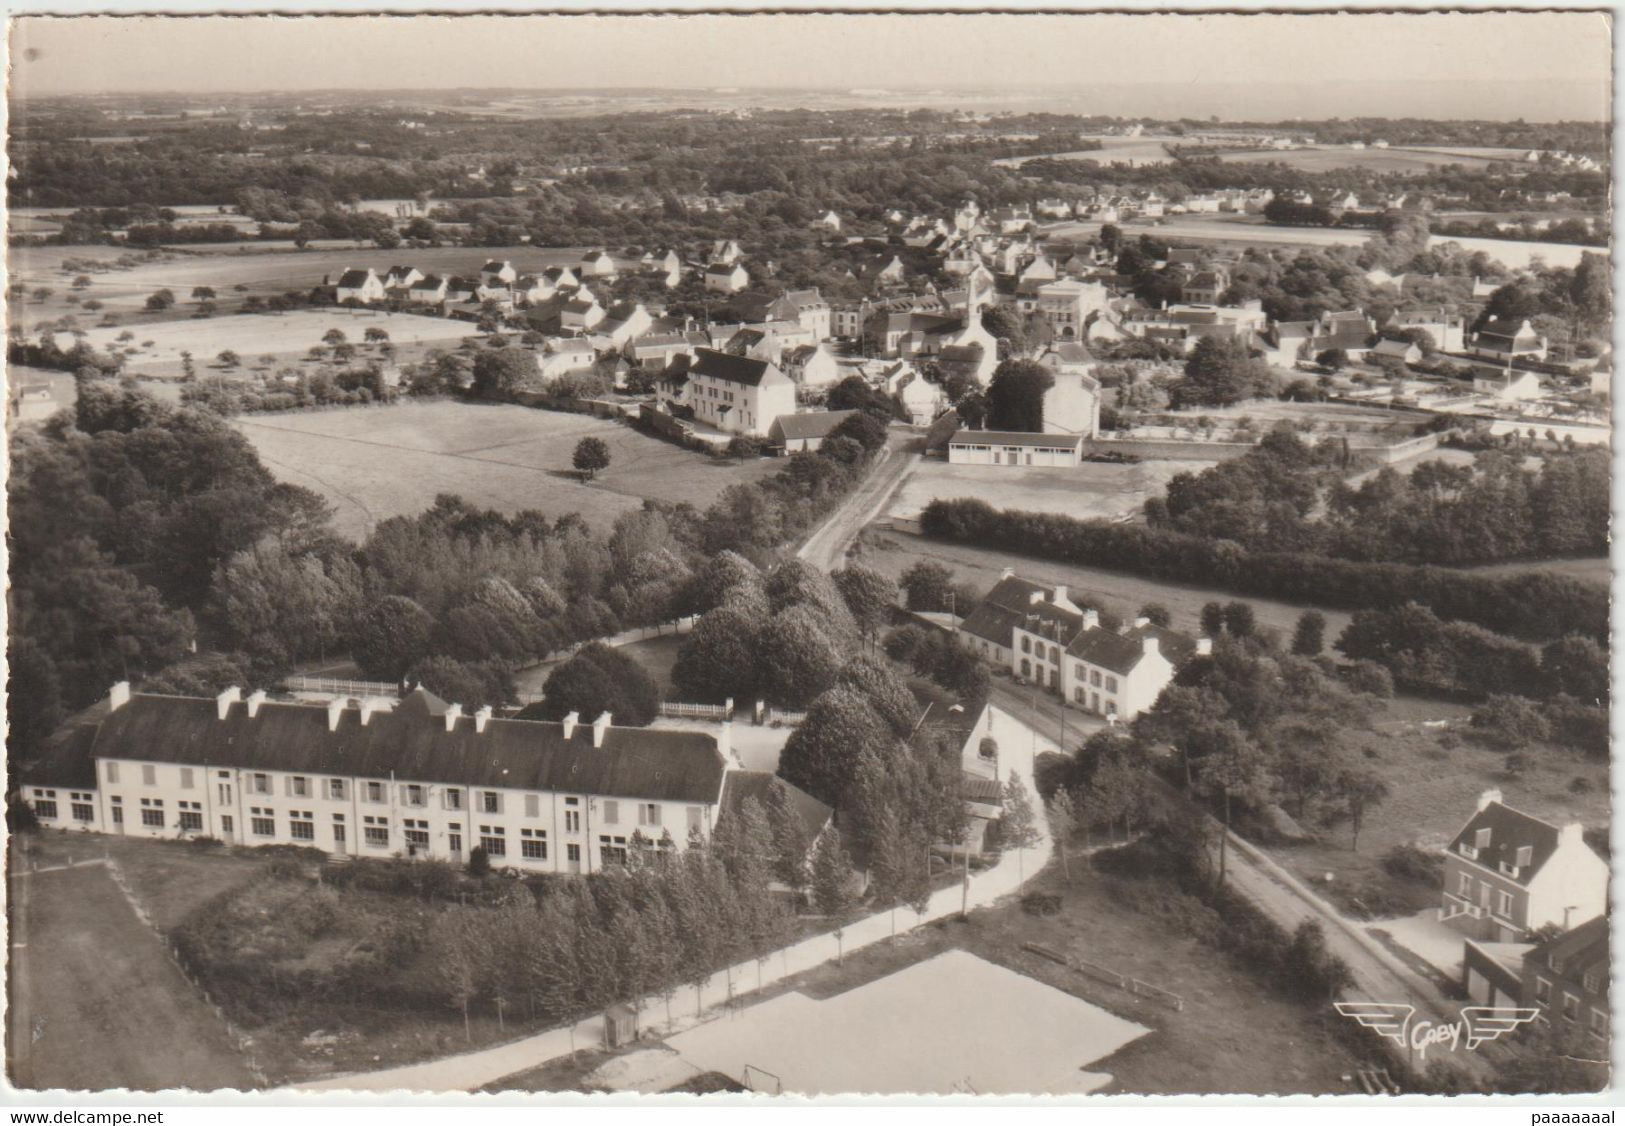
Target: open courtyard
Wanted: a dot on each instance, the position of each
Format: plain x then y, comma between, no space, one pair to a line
372,463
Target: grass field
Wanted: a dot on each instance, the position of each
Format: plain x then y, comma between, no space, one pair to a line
893,553
286,336
96,1003
373,463
1114,150
1095,489
1434,788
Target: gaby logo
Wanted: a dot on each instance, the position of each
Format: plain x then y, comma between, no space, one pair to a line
1479,1024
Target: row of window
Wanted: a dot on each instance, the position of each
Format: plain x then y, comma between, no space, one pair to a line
1503,899
1570,1007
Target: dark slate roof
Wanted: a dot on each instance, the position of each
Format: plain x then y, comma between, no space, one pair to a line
66,762
432,281
808,424
1071,352
723,268
1510,830
634,762
1508,327
1177,647
985,791
1016,438
1393,348
1002,610
493,267
742,784
1578,952
353,279
1113,651
732,369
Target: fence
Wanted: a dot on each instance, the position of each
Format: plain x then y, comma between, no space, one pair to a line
673,710
331,687
1110,977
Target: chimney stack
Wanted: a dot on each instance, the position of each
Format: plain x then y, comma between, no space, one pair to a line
1487,798
335,708
570,722
255,699
1091,619
1007,573
599,726
481,718
725,739
118,695
453,714
1150,645
1204,646
223,702
1572,833
1141,622
367,705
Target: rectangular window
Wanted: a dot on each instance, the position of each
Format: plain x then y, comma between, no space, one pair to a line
152,818
412,794
1503,904
262,826
1481,839
301,826
1571,1007
118,814
490,802
191,821
416,834
1464,885
261,784
186,777
112,772
375,832
649,814
531,849
226,825
1094,678
696,818
149,775
492,842
339,833
336,790
298,787
453,799
223,789
375,793
1599,1021
572,853
46,808
572,821
612,849
533,805
612,813
1111,684
84,811
1543,991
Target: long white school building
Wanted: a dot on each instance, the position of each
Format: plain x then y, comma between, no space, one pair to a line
418,778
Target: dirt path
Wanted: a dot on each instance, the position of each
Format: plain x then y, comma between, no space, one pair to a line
826,546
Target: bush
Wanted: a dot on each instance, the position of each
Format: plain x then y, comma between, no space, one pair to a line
1408,862
1510,722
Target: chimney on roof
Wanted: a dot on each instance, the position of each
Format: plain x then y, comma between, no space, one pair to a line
223,702
255,699
453,714
1204,646
367,705
570,721
1151,645
1091,619
1141,622
1572,833
118,695
1035,598
599,726
335,708
481,718
1007,573
1487,798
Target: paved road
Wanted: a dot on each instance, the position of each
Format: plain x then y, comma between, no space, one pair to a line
1379,975
826,546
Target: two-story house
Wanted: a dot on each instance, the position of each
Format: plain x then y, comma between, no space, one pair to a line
726,277
738,394
1507,874
1566,978
359,286
382,778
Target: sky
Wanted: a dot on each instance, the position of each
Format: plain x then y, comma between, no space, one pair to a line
1536,65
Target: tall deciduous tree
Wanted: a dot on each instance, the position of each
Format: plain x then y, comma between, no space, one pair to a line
1015,396
591,455
1018,825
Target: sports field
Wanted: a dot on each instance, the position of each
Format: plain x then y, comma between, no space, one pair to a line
95,1001
954,1024
1094,490
376,462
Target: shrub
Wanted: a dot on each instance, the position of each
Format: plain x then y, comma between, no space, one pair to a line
1510,722
1408,862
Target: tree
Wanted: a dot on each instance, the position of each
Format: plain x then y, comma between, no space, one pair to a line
877,681
452,938
500,373
798,655
789,835
158,302
870,596
591,455
1015,396
82,281
1360,789
1063,820
821,755
718,658
1157,614
1221,371
1018,826
599,679
1239,619
1334,358
928,587
1230,767
1212,619
1309,638
203,293
376,335
391,636
832,880
1004,323
229,359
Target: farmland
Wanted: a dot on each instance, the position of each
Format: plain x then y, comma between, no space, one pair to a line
1372,159
374,463
1133,151
1095,490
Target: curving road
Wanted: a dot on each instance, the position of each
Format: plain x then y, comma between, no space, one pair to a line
827,544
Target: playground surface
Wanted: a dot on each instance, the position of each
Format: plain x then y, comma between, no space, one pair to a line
953,1024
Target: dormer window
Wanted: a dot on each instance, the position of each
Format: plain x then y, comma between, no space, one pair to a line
1481,839
1525,856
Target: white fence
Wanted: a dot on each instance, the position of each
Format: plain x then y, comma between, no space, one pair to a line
672,710
331,687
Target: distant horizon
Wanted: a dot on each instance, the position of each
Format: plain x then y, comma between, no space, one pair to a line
1546,66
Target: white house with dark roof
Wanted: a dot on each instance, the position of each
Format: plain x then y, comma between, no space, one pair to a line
597,264
738,394
1507,874
495,273
1507,339
363,286
794,433
726,277
383,778
1041,635
565,356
